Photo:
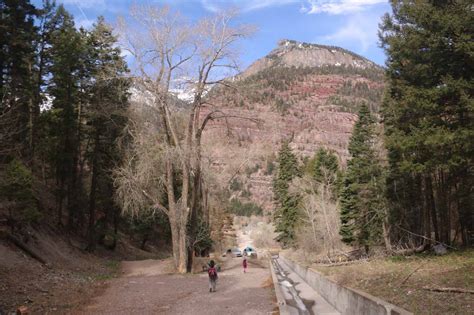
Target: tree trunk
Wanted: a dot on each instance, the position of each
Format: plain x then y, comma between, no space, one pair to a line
144,240
174,239
443,208
92,195
432,206
182,249
386,233
116,225
178,239
426,212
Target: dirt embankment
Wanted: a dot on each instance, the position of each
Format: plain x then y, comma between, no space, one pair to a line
70,277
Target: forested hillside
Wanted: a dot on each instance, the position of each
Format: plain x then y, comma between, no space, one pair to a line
65,94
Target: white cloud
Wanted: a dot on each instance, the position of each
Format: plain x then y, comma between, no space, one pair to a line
244,5
338,6
359,32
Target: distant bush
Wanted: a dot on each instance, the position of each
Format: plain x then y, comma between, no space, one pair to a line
246,193
249,170
235,185
270,168
282,106
245,209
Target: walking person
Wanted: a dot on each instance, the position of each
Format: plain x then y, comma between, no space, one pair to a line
212,272
244,264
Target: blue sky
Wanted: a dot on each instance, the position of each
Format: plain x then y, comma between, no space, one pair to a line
351,24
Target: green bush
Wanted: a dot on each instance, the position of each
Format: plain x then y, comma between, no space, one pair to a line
245,209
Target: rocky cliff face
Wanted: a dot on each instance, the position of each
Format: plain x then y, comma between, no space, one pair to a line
290,53
303,92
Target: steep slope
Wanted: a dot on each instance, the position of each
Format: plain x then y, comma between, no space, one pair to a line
307,93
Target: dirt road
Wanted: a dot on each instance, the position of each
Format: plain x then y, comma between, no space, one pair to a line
145,288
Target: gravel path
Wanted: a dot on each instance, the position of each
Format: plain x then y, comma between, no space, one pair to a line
145,289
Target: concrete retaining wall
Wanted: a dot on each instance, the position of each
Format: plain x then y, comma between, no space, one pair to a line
345,300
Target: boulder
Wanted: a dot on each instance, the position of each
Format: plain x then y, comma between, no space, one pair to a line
440,249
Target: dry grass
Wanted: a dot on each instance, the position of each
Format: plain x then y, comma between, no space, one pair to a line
400,280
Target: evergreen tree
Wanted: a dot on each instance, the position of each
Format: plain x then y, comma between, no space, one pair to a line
18,32
362,192
67,54
105,114
46,25
286,212
428,114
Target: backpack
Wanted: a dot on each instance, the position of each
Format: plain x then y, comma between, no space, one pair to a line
212,273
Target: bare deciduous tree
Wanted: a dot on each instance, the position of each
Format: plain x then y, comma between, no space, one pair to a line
319,212
170,53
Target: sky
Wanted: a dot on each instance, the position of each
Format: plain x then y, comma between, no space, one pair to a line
351,24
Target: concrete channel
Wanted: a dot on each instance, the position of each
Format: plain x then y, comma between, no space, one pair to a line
300,290
294,295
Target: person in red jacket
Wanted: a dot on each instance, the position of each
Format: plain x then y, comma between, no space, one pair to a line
244,264
212,272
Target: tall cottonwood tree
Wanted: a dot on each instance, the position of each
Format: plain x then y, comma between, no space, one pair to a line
167,50
428,115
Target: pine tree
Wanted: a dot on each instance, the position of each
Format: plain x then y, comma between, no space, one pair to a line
18,33
286,212
105,114
361,195
428,114
46,26
67,53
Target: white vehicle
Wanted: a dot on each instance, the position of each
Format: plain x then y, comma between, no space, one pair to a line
234,252
250,252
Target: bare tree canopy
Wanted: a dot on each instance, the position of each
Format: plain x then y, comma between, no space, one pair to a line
163,170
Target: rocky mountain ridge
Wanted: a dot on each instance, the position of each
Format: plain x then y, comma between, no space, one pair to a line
306,93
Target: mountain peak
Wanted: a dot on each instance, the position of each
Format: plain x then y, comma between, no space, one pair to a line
292,53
